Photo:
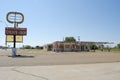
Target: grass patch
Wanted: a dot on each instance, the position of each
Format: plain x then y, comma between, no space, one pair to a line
115,50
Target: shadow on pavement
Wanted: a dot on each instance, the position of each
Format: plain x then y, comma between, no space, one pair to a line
21,56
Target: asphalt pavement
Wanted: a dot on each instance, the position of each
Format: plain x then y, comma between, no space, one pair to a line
101,71
59,66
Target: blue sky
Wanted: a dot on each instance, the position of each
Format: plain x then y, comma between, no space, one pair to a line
52,20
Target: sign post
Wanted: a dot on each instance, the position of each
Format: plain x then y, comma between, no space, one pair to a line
15,18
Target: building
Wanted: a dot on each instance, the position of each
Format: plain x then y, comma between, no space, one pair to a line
63,46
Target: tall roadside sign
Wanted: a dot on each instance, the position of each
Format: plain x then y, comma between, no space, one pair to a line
15,34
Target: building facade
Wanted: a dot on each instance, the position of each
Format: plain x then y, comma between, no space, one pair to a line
62,46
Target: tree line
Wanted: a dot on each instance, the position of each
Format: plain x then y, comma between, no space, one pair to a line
72,39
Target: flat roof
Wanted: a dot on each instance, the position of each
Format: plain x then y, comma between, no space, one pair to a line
85,42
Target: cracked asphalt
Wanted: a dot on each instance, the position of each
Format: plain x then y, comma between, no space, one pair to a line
59,66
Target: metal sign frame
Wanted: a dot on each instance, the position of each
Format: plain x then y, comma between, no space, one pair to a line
14,16
9,38
15,31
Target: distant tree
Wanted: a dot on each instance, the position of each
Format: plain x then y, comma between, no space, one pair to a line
27,47
32,48
101,47
37,47
108,48
41,47
118,45
93,47
70,39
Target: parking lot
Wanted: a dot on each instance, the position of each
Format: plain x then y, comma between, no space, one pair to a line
32,58
42,65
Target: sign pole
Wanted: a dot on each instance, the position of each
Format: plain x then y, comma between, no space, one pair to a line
14,37
14,18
